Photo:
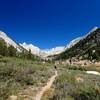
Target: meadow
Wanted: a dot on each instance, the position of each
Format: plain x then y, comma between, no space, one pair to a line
17,74
73,83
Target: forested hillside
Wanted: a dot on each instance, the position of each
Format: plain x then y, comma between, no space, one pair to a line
10,51
87,48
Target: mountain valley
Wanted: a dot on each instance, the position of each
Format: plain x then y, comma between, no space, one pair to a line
30,73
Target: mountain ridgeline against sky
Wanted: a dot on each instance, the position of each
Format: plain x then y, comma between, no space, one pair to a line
43,53
88,47
82,46
34,50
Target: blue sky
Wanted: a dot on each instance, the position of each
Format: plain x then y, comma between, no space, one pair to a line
48,23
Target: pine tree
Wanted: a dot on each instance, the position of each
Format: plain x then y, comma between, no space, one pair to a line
3,48
29,56
23,54
11,51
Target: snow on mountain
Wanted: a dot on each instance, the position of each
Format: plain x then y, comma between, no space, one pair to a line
92,30
57,50
8,40
73,42
35,50
43,53
40,52
54,51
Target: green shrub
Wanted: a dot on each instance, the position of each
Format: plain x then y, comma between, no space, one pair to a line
16,74
68,88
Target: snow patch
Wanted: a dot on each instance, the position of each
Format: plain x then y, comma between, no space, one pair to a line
93,72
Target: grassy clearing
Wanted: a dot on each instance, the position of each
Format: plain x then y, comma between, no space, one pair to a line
72,82
75,84
91,67
16,74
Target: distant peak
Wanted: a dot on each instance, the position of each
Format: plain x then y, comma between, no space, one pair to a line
24,43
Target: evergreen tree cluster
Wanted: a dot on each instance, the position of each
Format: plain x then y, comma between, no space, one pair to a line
6,50
10,51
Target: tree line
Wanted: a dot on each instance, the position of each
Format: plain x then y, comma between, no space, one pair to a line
10,51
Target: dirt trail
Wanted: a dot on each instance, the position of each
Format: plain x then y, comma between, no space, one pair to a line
49,84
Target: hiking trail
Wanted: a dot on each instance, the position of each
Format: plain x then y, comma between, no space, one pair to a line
46,87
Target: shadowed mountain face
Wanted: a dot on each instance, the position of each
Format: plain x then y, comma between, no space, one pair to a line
87,48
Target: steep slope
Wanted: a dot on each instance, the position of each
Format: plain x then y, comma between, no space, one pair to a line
9,41
88,47
35,50
8,47
73,42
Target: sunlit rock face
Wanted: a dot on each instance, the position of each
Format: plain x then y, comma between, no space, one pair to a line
9,41
43,53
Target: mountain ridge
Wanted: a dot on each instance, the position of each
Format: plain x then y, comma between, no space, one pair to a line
43,52
86,48
34,49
